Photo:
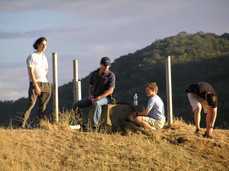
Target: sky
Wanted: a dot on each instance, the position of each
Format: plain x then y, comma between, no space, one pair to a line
86,30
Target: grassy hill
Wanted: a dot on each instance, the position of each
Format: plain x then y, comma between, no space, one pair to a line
56,147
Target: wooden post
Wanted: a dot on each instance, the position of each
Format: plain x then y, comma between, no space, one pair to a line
55,89
169,90
76,83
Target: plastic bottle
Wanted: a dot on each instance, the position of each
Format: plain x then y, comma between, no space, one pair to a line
135,102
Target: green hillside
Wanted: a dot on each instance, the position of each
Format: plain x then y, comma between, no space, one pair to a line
195,57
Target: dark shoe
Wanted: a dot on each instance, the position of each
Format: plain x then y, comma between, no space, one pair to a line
94,127
197,132
207,136
20,126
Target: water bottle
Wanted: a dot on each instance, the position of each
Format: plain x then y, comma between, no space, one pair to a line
135,102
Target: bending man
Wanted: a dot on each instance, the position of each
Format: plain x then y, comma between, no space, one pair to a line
203,93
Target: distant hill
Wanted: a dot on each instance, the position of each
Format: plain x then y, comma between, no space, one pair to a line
195,57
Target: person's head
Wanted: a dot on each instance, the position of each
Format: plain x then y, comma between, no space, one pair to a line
151,89
105,63
40,44
211,100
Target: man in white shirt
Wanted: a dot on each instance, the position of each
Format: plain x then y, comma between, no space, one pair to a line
39,87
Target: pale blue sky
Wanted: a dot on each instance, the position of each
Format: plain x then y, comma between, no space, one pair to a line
90,29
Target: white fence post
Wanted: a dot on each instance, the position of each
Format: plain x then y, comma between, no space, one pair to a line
55,89
169,90
76,83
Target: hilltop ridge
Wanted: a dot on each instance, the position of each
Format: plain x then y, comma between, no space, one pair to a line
56,147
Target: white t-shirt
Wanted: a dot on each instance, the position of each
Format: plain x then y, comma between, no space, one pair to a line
40,64
156,107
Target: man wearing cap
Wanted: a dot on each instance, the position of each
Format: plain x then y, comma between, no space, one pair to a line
203,93
101,87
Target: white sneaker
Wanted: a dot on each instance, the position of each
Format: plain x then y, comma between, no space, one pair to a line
75,126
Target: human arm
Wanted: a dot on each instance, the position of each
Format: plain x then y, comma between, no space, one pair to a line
33,79
151,103
105,94
201,100
46,72
90,92
212,120
144,113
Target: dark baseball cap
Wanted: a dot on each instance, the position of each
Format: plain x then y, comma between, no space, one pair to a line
105,61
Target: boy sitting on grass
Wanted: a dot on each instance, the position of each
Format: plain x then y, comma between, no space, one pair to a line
153,117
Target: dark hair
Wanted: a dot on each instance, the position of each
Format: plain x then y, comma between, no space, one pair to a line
212,100
38,41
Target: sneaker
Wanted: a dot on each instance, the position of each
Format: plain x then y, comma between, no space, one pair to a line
94,127
76,127
197,132
207,136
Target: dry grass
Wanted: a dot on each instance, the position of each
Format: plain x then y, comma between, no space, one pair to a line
56,147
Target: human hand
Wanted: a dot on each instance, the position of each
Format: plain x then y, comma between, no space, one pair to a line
136,113
90,97
93,100
38,91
